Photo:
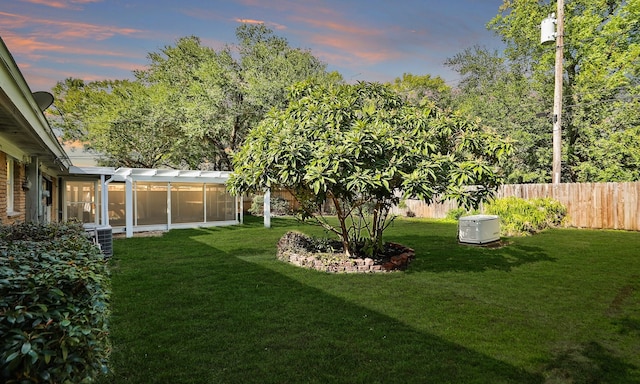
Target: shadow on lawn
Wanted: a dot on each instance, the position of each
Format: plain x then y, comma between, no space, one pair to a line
588,363
221,319
438,254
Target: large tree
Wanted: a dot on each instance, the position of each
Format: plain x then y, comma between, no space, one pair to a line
501,93
193,104
601,121
363,148
418,89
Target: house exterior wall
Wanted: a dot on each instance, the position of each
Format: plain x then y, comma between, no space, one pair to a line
19,195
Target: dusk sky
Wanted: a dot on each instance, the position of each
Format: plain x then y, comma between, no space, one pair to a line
372,40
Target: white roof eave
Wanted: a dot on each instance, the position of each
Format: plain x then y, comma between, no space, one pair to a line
153,175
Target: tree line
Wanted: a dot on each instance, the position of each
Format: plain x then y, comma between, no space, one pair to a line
193,106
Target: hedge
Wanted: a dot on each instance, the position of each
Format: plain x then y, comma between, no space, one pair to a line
54,305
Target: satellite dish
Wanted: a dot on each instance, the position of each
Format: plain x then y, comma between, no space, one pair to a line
43,99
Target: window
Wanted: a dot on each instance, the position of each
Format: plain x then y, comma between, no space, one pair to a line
10,184
81,201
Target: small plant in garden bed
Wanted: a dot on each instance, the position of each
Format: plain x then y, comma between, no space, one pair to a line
54,305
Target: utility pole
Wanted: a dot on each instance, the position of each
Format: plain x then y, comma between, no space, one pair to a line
557,96
547,35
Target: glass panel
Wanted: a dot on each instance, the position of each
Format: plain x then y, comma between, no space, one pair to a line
117,205
80,198
150,203
187,203
220,204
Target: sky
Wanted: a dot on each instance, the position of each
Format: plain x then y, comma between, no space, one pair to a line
364,40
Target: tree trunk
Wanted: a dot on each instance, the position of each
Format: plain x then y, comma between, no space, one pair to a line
343,226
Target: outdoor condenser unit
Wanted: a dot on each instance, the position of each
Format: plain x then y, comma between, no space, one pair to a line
479,229
103,237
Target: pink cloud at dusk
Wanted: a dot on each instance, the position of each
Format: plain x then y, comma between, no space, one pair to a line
73,4
269,24
61,30
376,39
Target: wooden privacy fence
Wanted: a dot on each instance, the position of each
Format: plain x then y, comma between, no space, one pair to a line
589,205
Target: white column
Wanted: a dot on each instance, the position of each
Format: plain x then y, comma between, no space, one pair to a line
104,202
128,206
168,206
267,209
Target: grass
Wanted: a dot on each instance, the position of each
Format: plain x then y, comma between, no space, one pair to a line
215,306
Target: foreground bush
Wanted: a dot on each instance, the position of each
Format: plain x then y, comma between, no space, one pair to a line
54,292
520,217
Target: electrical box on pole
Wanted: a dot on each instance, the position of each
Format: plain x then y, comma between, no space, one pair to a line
548,29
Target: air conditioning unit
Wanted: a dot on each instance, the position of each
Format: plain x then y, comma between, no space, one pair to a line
102,237
479,229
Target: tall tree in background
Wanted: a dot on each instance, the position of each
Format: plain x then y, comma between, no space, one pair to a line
501,94
124,122
193,105
420,89
601,119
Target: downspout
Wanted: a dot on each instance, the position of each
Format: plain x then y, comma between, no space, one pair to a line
61,194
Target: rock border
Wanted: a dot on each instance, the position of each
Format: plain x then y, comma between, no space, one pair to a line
340,263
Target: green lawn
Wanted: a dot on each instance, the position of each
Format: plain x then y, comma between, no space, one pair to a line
215,306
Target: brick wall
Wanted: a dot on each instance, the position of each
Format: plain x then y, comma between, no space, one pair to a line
19,195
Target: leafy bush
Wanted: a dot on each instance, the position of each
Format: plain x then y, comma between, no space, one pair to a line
456,213
519,217
279,206
54,305
298,242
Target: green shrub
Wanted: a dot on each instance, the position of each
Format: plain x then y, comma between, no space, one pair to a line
279,206
456,213
520,217
54,305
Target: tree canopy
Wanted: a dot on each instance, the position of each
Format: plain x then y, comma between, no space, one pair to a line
191,106
363,147
423,89
601,87
501,93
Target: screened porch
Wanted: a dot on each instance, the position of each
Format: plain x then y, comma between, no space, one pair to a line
133,200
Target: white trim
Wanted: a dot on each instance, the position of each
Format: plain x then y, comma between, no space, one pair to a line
165,227
11,190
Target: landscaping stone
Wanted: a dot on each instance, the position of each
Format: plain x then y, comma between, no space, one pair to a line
298,249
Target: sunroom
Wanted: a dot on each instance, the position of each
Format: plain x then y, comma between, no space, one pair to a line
129,200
